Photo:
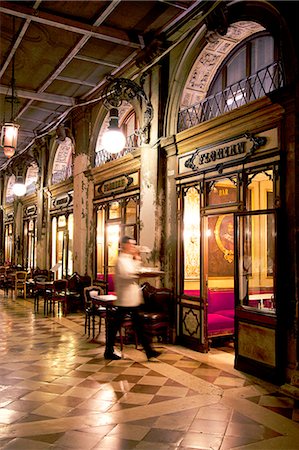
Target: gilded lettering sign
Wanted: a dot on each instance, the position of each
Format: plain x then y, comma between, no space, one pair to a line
217,157
115,185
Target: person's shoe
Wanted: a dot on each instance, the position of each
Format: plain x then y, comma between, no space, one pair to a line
112,356
153,354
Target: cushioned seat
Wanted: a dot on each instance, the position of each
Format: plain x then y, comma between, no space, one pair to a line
221,312
219,325
227,312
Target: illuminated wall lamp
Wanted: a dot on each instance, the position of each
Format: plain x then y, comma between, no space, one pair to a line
19,188
113,140
9,138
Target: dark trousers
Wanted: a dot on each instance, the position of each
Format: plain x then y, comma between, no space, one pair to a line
115,319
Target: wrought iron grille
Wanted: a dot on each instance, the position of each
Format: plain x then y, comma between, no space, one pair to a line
240,93
102,156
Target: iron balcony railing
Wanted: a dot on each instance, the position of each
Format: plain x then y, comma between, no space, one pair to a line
240,93
102,156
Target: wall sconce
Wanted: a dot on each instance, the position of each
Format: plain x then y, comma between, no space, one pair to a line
118,90
113,139
19,188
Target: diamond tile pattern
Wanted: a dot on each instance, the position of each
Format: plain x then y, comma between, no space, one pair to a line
58,392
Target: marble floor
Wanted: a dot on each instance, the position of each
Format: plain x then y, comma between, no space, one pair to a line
58,392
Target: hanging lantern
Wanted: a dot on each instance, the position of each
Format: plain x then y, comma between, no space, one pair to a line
9,138
9,131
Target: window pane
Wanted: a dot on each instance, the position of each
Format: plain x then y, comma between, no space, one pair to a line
236,67
70,243
54,231
222,191
61,221
113,235
259,194
130,212
100,243
256,261
114,210
262,53
191,242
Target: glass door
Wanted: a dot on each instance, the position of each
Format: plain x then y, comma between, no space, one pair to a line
218,277
62,245
8,244
115,219
257,332
30,242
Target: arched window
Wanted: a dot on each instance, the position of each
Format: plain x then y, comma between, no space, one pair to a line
62,167
231,71
246,75
9,198
31,178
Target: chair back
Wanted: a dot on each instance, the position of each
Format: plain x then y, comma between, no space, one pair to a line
21,276
73,282
60,286
158,299
40,278
102,284
38,271
87,290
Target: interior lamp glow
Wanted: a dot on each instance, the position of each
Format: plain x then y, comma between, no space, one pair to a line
113,139
19,188
9,138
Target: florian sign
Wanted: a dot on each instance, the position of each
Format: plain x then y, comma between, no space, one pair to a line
220,153
219,157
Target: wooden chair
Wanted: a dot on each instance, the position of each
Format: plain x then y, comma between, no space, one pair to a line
91,311
9,282
39,292
2,276
76,285
59,296
127,332
20,282
158,310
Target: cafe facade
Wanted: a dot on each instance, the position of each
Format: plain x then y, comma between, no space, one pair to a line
209,190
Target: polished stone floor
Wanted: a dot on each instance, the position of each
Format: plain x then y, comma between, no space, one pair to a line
58,392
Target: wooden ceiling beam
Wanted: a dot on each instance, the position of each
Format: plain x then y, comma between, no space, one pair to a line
103,33
41,96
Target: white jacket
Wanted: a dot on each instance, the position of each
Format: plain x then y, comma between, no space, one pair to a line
126,280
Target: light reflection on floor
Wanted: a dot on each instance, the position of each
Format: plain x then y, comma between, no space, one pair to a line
58,392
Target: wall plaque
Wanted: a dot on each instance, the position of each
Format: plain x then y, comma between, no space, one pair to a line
225,154
116,185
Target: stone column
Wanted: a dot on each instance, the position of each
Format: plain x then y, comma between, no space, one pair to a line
81,162
150,207
169,148
41,152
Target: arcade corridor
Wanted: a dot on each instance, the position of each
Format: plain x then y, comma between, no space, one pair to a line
58,392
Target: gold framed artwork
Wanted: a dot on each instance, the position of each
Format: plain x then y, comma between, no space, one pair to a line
224,236
221,245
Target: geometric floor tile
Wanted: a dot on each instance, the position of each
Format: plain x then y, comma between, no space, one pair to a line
58,392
